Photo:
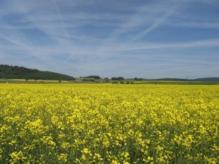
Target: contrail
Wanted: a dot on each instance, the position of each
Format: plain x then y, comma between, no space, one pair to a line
136,21
155,25
66,34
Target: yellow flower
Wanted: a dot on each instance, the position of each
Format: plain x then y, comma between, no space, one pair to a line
17,156
109,123
62,157
48,141
114,162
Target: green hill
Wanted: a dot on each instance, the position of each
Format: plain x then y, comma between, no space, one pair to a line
16,72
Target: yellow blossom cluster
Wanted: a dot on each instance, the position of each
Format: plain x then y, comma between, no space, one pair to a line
109,123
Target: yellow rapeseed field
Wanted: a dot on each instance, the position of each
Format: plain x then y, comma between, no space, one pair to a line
106,123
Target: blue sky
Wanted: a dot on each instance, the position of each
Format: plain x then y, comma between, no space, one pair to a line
130,38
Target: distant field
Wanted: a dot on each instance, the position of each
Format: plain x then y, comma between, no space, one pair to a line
109,123
23,81
178,82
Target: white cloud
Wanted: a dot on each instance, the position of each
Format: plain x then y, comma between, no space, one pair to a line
75,34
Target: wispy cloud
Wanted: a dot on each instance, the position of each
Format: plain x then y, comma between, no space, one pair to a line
154,25
192,44
195,24
86,36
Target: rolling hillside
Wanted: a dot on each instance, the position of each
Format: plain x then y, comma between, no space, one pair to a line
16,72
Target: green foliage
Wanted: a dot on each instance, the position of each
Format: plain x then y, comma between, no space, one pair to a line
15,72
118,78
93,77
